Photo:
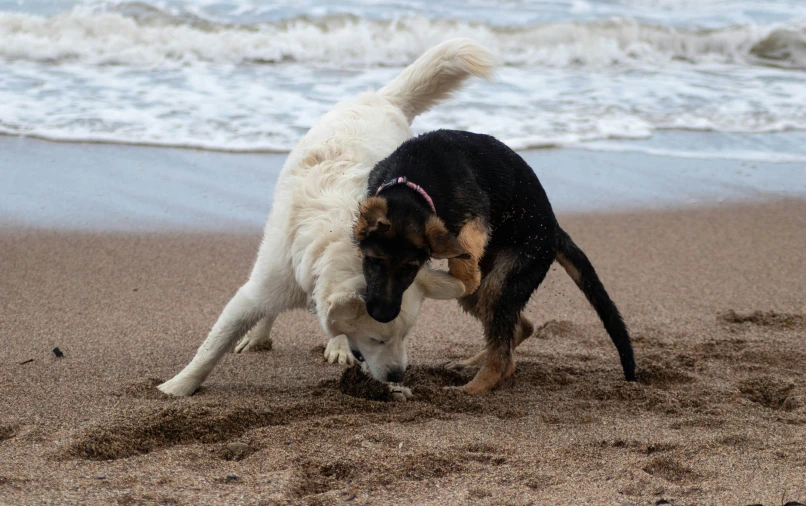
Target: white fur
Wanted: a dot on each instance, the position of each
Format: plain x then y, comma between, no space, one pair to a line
307,254
337,351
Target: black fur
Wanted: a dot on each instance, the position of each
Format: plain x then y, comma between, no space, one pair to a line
475,176
595,293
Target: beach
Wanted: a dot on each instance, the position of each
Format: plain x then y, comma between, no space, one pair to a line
140,146
123,257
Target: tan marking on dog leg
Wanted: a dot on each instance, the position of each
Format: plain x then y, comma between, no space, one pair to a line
443,244
510,369
569,268
473,361
496,366
481,304
473,237
490,288
524,330
467,271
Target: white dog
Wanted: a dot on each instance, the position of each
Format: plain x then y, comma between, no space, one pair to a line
307,256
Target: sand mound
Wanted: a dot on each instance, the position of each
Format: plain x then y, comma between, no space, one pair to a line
769,392
144,431
664,373
357,384
556,328
142,389
318,476
670,469
765,319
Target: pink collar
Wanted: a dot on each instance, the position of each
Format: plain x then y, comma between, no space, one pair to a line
403,180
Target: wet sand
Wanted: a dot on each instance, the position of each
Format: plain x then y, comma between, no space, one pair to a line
70,186
715,299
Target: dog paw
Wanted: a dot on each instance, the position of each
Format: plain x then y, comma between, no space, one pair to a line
456,365
251,342
179,386
474,361
338,351
400,393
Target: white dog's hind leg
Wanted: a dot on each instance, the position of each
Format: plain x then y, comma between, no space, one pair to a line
338,350
257,339
240,314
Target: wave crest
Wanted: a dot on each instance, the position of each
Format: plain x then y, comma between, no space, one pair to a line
142,35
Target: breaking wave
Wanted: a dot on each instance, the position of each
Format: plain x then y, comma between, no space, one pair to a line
142,35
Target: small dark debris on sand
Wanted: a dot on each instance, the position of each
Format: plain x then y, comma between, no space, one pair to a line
58,352
7,432
26,361
236,451
355,383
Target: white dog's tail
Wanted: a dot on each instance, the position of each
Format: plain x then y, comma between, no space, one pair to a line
436,74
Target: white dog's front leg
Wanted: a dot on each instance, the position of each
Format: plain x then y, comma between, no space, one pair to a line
240,314
257,339
338,351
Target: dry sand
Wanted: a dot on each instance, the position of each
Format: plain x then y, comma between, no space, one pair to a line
715,299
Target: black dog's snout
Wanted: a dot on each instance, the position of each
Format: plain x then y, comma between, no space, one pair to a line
395,376
381,312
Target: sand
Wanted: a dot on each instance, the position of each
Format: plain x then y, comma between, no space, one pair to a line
715,299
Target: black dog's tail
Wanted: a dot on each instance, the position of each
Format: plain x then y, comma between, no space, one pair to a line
578,266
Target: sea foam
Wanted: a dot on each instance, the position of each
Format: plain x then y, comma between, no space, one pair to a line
135,73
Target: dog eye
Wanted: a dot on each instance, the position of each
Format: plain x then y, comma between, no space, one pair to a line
377,341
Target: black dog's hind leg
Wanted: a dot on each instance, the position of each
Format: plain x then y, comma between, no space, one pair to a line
578,266
523,331
498,302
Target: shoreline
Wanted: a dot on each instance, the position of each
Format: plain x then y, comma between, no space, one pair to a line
107,187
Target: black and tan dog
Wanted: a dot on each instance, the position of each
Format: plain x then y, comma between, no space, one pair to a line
469,198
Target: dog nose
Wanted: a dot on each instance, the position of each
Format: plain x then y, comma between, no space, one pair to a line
395,376
381,313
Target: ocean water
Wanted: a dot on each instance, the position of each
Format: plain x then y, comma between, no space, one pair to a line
252,76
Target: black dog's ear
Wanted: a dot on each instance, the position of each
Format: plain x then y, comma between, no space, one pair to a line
443,244
372,218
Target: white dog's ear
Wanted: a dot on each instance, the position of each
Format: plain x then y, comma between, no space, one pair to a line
344,306
439,284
